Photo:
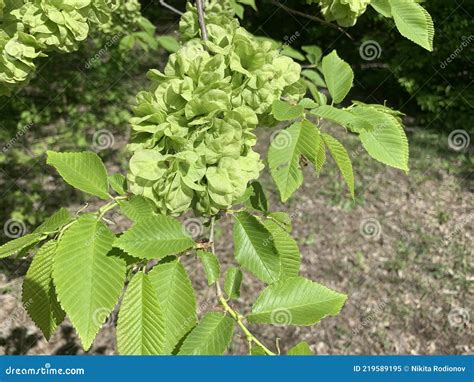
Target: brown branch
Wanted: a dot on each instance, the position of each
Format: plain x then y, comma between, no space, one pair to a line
202,22
311,17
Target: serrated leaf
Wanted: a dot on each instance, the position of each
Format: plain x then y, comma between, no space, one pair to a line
314,76
296,301
284,111
176,299
301,349
387,141
154,238
140,325
338,76
413,22
84,171
169,43
257,350
250,3
211,266
292,52
257,199
301,138
382,7
320,157
287,248
211,336
313,53
232,282
342,117
137,208
118,183
342,159
88,282
283,219
319,97
60,218
308,103
254,249
16,245
39,295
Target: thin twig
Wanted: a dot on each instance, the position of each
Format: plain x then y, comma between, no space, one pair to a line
311,17
202,22
171,8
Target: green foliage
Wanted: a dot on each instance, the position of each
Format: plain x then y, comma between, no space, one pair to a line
39,295
88,282
84,171
211,336
192,149
296,301
176,300
155,237
140,326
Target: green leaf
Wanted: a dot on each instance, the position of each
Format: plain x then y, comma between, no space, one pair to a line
137,208
254,249
301,349
308,103
257,200
314,76
39,295
251,3
140,324
342,117
296,301
154,238
319,97
257,350
60,218
169,43
232,282
320,157
413,22
382,7
313,53
284,111
342,159
88,282
211,266
14,246
84,171
292,52
287,248
176,300
118,183
387,141
211,336
283,219
301,138
338,75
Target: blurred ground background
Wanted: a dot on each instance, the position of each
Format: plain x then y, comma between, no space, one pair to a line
403,251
